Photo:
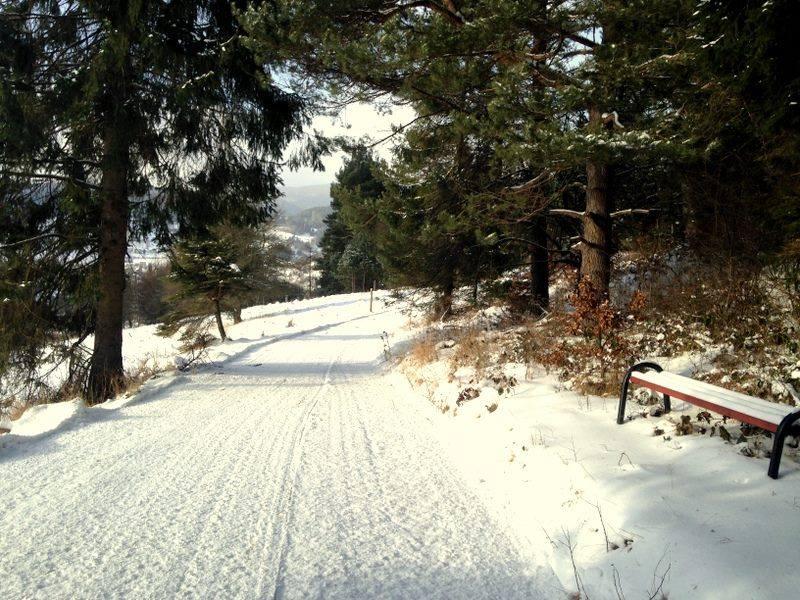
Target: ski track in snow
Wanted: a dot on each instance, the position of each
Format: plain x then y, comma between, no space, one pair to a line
295,468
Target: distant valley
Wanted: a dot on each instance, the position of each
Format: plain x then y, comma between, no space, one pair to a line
301,210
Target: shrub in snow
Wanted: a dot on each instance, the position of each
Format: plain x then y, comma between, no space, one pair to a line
597,347
194,348
423,351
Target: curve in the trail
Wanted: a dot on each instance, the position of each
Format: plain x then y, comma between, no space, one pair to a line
294,469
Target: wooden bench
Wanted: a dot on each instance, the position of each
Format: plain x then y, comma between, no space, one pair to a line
779,419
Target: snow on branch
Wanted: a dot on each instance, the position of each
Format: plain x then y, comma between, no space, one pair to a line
612,117
542,177
630,212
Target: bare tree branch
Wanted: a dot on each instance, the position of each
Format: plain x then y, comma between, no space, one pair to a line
630,212
403,127
565,212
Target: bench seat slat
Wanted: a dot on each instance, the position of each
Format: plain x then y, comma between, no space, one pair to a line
756,406
734,404
749,402
679,382
734,414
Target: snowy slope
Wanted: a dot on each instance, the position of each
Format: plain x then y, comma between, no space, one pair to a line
299,464
624,512
293,467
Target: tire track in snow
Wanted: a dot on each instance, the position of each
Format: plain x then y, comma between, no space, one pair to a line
231,492
292,471
387,518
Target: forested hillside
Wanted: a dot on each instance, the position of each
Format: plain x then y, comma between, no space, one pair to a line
535,335
550,138
559,134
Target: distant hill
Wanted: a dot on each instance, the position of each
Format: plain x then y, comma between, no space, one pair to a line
306,222
298,199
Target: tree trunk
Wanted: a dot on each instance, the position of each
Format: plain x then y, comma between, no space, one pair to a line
596,247
540,267
218,316
237,315
106,372
444,304
476,280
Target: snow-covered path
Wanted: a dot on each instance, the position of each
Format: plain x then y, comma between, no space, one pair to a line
293,468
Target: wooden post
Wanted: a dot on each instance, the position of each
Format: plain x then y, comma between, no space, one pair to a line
371,290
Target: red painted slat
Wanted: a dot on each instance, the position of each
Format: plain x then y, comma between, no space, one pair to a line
733,414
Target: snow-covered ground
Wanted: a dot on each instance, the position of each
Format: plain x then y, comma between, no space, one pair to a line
300,464
630,510
143,253
292,467
290,236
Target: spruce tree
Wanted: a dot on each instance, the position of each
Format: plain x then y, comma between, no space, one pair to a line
332,244
144,115
205,272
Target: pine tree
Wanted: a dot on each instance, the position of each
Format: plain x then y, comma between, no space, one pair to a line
332,244
433,232
348,256
141,114
743,114
47,282
206,274
220,271
358,266
559,91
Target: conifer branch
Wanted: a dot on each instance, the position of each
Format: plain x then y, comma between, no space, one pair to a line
52,176
405,126
30,239
446,10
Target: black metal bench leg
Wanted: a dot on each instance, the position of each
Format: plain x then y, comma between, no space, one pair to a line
623,395
784,429
775,457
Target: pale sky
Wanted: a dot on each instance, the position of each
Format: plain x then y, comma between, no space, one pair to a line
355,121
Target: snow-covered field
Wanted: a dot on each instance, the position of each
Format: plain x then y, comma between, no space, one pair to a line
299,464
